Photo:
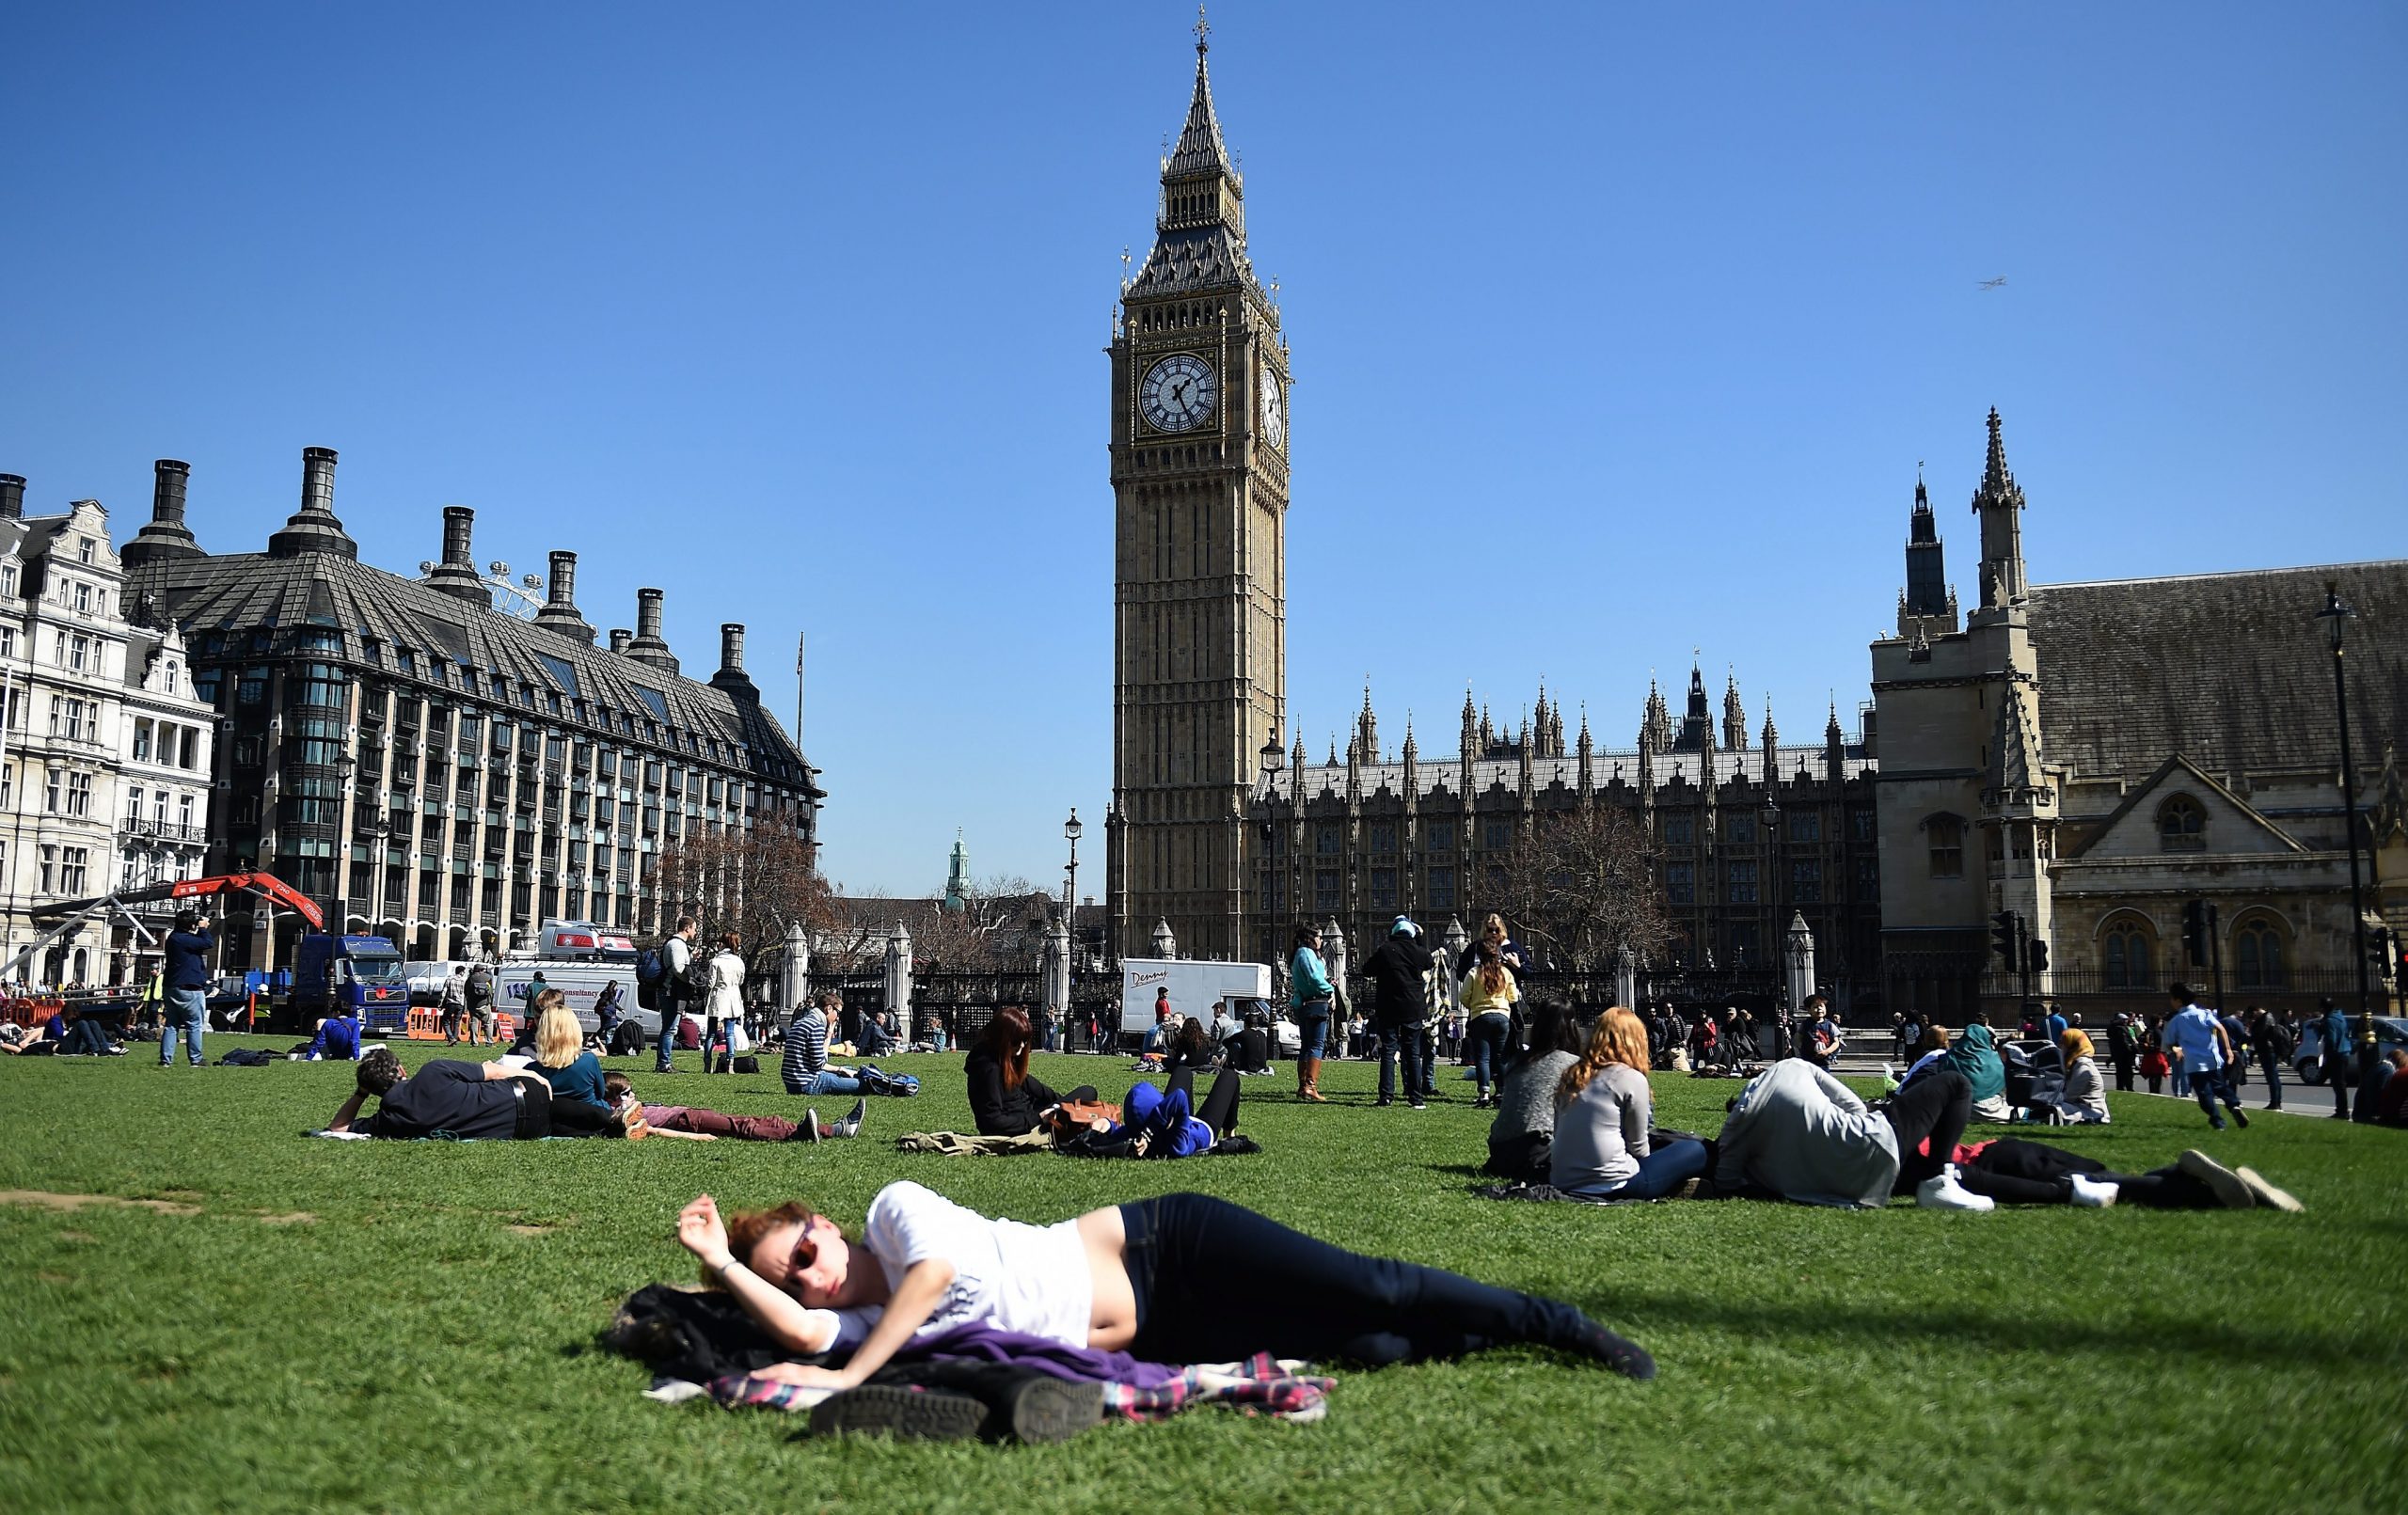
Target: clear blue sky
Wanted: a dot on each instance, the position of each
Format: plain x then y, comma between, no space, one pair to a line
1617,331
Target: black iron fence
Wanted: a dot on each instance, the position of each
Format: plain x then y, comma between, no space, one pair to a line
2071,983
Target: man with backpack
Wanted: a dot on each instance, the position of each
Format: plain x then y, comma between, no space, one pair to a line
676,990
481,1014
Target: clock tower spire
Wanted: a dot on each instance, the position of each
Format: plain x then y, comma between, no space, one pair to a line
1199,482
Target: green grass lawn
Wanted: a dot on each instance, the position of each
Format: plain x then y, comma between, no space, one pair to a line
345,1326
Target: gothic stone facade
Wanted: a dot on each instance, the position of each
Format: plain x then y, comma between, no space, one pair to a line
1200,478
1745,833
2092,756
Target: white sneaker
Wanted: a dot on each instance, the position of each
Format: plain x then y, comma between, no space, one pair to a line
2092,1195
1941,1191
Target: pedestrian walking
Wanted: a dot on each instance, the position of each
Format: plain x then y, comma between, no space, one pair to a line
2123,1049
2197,1044
2333,1028
677,989
187,987
2243,1052
482,1013
723,1003
1400,975
451,1007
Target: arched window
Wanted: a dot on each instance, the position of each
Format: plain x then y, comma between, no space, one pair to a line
2125,954
2258,953
2181,826
1947,838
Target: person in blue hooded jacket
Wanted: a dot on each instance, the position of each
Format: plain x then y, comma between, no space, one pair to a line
1974,1054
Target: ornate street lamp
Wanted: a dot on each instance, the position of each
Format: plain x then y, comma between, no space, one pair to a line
1073,830
1272,757
2335,616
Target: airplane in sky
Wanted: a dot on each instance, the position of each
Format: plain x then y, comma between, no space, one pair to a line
1997,283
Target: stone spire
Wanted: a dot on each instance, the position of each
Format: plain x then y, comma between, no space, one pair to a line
1471,728
2015,749
1926,604
1655,729
1587,751
1834,748
1734,718
1697,721
1367,728
1771,748
1202,186
1999,503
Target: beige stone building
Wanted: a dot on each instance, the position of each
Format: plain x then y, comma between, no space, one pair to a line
2095,757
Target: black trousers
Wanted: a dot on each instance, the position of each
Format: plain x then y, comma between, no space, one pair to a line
2016,1172
1220,1108
2124,1075
1215,1282
2337,1069
1935,1107
543,1113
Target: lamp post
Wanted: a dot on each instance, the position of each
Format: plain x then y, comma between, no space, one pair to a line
1272,758
1071,832
2335,616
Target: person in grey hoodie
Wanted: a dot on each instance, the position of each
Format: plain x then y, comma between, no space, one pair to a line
1805,1136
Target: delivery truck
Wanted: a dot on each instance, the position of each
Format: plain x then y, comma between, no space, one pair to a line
1194,988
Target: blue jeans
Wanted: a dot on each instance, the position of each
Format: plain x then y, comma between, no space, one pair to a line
1659,1173
1486,1037
1312,1030
187,1010
827,1082
668,1043
2209,1085
1401,1043
2274,1079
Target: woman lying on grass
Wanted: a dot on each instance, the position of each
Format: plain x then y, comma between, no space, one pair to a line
1184,1278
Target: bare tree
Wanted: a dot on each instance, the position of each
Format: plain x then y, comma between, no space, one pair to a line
754,883
1582,882
1001,925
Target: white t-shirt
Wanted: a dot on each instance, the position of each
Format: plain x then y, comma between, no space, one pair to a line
1007,1274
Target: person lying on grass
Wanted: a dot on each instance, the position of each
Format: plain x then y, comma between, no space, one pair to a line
688,1124
2015,1171
1182,1278
470,1101
1805,1136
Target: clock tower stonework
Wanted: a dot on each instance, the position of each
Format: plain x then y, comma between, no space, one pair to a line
1199,482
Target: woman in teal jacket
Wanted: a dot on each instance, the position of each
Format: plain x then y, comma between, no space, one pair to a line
1311,997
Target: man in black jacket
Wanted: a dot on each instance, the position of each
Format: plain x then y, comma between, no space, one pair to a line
1400,972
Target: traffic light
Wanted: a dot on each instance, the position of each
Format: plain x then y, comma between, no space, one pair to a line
2195,933
2383,954
2004,935
2035,955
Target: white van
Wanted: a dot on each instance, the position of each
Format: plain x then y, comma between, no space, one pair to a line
515,987
1195,987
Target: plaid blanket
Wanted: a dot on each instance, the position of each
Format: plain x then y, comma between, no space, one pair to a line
1260,1385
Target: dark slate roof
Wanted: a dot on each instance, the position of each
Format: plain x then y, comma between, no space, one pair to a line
243,592
1192,258
2230,670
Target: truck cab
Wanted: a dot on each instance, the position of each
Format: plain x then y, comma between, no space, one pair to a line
350,976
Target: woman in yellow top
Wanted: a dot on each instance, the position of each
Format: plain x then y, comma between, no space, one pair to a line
1488,997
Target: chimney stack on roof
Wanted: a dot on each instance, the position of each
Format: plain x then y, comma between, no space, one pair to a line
165,536
12,497
646,645
731,676
456,575
619,639
559,613
313,528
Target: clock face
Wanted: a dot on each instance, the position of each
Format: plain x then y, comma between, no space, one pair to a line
1274,411
1178,393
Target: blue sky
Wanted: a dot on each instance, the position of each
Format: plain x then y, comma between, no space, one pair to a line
1616,331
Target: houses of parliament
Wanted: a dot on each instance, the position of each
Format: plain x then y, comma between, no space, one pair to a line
2090,756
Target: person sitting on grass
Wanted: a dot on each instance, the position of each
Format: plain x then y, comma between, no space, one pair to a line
2082,1101
1603,1105
1181,1278
1006,1099
1974,1056
1522,1138
688,1124
805,1069
470,1101
2014,1172
559,1053
1801,1134
2388,1092
338,1036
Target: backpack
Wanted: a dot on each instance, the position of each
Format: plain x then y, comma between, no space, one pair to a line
651,973
626,1039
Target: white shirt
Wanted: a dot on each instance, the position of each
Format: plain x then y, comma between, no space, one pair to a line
1007,1274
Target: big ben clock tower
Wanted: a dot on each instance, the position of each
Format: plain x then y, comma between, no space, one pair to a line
1199,482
